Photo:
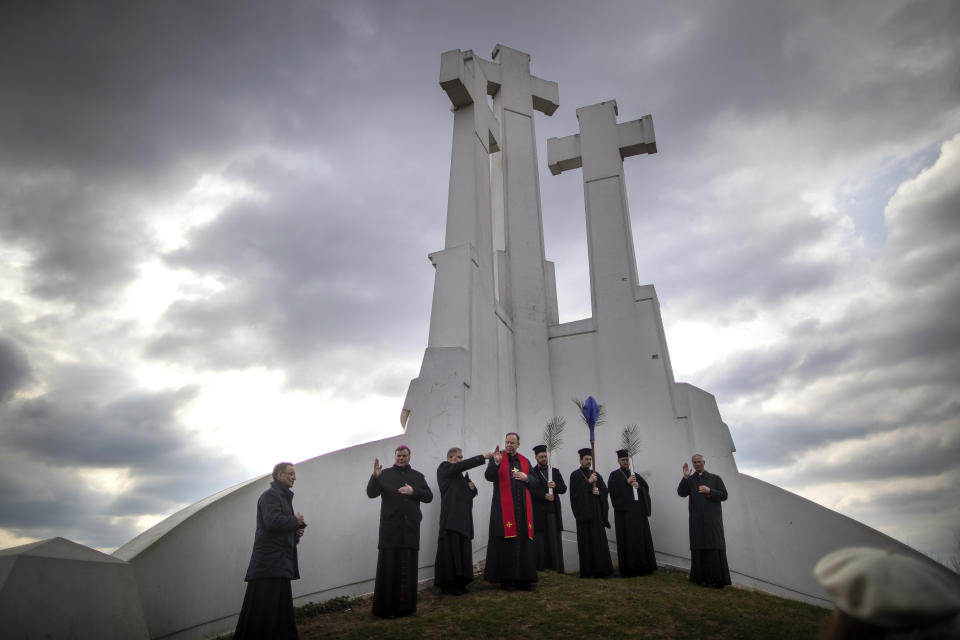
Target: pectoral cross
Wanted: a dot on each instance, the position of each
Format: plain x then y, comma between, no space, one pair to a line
515,470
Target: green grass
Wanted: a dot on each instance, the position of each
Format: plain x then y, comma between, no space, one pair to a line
663,605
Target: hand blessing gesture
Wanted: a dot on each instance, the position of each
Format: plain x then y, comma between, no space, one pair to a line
686,470
376,468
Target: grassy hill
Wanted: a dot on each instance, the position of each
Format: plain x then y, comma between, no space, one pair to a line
664,605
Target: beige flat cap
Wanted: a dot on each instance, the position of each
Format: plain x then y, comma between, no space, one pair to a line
889,589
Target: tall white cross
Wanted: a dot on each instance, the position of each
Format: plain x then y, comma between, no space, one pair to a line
599,149
521,269
476,134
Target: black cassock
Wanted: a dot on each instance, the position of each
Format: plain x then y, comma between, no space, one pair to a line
511,559
708,555
592,517
635,555
548,521
453,568
395,591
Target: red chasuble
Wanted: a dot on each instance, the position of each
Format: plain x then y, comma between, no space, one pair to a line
506,497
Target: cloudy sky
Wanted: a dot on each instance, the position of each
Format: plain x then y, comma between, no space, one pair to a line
215,216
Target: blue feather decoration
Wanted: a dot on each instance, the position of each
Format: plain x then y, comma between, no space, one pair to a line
591,412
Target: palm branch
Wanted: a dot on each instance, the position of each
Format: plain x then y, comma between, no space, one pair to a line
630,440
553,433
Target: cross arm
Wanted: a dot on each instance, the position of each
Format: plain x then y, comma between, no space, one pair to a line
464,82
636,137
545,94
563,154
452,74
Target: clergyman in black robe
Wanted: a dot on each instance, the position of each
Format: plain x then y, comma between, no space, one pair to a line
401,489
630,497
547,519
453,568
708,550
511,555
588,497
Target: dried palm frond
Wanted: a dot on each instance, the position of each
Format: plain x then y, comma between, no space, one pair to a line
630,440
553,433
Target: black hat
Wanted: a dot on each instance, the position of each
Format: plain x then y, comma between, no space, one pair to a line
586,451
622,453
540,448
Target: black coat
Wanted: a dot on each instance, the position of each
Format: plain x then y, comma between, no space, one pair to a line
706,515
622,495
456,496
275,542
399,514
586,506
542,508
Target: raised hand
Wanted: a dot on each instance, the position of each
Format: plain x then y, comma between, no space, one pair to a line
686,470
377,468
497,455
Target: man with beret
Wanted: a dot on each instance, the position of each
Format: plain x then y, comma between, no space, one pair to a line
630,496
588,497
547,519
882,593
401,489
708,550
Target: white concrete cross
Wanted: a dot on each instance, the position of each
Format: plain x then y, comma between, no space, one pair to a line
464,86
519,90
602,144
599,149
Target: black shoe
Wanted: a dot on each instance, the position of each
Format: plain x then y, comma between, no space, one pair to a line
526,586
463,590
508,586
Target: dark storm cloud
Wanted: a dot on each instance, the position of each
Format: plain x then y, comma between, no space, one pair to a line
881,378
74,431
108,88
14,368
311,269
111,105
83,240
48,443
